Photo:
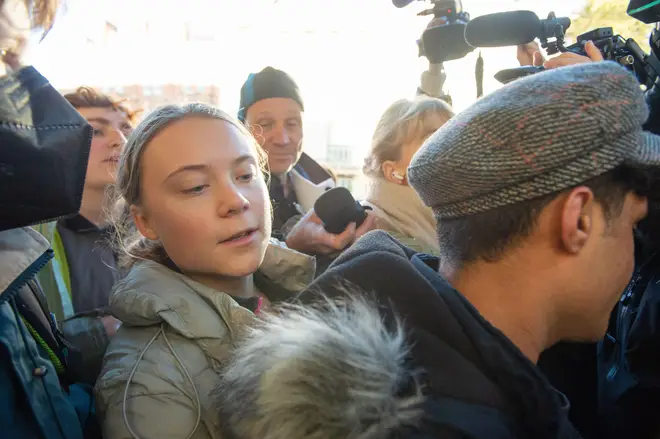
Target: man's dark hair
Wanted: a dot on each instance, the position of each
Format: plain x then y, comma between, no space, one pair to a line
489,235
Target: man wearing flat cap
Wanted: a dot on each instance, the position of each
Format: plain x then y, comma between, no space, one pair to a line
272,107
536,189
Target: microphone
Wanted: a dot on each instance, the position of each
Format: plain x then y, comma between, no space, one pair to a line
402,3
337,209
511,29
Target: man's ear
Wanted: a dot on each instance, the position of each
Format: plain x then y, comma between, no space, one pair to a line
142,223
577,219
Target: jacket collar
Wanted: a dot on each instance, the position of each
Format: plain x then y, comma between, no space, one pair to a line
541,407
19,249
152,294
401,210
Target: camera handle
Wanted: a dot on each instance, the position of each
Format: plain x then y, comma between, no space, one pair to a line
558,33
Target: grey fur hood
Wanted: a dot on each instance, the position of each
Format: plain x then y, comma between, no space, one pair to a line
330,372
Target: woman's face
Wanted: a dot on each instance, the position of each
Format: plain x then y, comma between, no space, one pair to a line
408,150
205,198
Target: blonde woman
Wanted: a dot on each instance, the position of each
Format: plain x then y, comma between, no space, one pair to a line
200,267
401,131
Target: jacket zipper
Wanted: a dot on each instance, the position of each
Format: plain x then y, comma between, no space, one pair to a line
27,275
621,323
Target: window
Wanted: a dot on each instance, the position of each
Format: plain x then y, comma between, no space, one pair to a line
346,182
339,154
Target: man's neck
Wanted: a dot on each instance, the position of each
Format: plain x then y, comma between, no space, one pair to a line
510,296
93,206
242,287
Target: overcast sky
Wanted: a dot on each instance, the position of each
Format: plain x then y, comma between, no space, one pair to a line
351,58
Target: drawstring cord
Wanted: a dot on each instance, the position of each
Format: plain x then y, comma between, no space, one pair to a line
198,404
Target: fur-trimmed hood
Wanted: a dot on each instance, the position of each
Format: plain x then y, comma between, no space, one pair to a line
333,371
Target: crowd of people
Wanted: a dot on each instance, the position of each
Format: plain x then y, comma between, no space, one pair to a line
166,275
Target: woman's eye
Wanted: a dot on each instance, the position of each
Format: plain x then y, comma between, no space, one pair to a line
126,130
246,177
97,132
195,189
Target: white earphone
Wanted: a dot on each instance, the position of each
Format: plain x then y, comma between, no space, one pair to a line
397,176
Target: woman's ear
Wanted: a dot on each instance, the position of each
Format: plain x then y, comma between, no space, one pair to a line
390,172
142,223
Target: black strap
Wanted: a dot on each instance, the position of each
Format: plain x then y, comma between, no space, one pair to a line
479,75
474,421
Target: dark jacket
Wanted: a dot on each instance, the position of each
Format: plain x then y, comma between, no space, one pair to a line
44,147
615,384
478,383
309,180
629,357
36,400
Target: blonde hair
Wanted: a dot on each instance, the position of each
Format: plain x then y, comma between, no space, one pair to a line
42,14
405,121
131,245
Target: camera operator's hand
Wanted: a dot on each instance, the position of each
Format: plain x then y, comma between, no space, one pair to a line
308,235
569,58
530,54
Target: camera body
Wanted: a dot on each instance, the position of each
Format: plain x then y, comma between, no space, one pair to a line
445,42
646,11
615,48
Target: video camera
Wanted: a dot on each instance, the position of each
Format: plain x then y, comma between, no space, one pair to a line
445,42
522,27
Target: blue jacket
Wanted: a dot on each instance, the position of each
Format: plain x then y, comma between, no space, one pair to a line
33,403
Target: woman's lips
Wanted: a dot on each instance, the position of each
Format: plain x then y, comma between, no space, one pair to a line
242,239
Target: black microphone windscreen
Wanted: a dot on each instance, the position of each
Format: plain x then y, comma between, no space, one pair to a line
503,29
337,208
402,3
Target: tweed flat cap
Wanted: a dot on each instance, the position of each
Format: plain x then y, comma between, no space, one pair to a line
535,136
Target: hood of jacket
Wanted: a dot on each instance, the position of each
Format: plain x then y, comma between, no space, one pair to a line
347,377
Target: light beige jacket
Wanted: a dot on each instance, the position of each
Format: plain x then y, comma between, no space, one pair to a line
400,212
176,334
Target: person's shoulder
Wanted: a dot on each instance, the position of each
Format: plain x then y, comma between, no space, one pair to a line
151,371
453,418
374,255
379,266
372,243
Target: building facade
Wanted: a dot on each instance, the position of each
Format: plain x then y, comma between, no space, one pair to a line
339,158
149,97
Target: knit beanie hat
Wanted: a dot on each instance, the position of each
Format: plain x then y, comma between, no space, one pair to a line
266,84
